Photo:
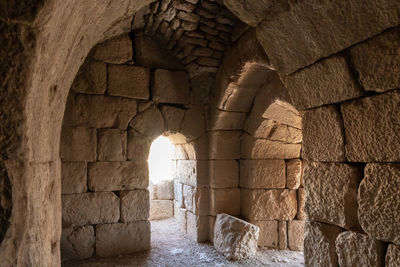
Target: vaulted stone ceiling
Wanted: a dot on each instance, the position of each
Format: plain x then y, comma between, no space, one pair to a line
197,32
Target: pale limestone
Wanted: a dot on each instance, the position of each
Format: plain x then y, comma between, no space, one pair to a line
134,205
161,209
262,174
128,81
226,200
111,145
73,177
77,243
149,123
268,233
223,173
78,144
294,171
295,235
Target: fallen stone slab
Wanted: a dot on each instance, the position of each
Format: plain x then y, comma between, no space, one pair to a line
234,238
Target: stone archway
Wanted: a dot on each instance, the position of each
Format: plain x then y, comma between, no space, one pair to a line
331,81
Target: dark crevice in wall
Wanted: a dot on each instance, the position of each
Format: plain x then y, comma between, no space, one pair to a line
5,201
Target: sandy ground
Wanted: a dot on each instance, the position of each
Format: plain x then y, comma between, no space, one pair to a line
170,248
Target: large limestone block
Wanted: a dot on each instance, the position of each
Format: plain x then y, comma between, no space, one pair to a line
138,146
192,172
323,135
201,201
280,110
272,130
118,50
372,128
283,235
234,238
331,190
178,193
89,208
197,227
171,87
262,173
268,233
251,12
149,123
252,148
77,110
294,171
165,189
116,112
193,124
161,209
180,216
188,195
122,238
295,235
226,200
173,117
319,244
78,144
111,145
377,61
356,249
113,176
278,204
128,81
223,173
77,243
224,145
392,258
91,78
301,200
134,205
286,37
379,202
149,53
73,177
326,82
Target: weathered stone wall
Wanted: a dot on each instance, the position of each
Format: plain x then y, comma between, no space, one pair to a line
114,111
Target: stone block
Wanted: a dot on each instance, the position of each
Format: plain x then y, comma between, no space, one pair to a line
122,238
180,216
295,235
268,233
165,189
138,146
73,177
197,149
226,120
89,208
275,204
323,132
171,87
118,50
149,123
178,193
392,258
283,235
325,236
280,110
188,195
234,238
173,117
201,86
326,82
161,209
223,173
116,112
91,78
193,124
128,81
224,145
262,173
286,37
226,200
294,171
274,131
355,248
201,201
376,61
135,205
197,227
251,12
78,144
301,200
252,148
379,202
77,243
372,126
113,176
77,110
111,145
211,222
331,190
151,54
192,172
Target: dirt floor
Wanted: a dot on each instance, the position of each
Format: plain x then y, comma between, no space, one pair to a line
170,248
